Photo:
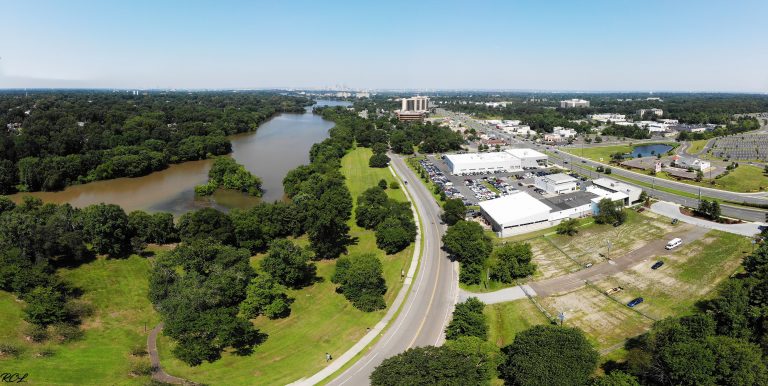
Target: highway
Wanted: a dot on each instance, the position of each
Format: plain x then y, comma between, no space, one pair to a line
429,305
578,164
575,164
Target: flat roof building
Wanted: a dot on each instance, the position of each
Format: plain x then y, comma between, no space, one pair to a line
413,109
515,214
571,205
632,192
485,163
556,183
570,103
529,158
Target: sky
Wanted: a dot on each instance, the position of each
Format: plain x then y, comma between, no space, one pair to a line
611,45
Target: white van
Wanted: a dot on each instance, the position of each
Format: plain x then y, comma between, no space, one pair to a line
674,243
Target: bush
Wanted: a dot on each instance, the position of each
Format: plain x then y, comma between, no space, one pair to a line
568,227
142,368
394,185
9,350
36,333
139,350
66,332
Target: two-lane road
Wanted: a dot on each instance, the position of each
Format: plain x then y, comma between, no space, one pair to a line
432,296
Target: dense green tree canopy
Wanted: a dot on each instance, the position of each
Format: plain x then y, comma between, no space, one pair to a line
66,137
453,211
360,279
512,261
469,244
288,264
468,320
548,355
423,366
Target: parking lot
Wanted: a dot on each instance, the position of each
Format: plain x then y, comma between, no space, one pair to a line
481,187
741,147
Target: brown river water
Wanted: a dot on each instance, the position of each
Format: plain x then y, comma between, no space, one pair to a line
279,145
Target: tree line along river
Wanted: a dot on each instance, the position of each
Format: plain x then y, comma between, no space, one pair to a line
276,147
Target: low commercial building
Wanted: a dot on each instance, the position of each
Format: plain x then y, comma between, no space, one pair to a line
515,214
529,158
563,132
632,192
656,112
691,163
556,183
571,103
471,163
601,193
571,205
608,117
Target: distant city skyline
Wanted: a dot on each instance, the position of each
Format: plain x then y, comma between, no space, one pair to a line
597,46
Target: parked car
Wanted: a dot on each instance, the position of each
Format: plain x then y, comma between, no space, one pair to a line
657,265
635,302
613,290
674,243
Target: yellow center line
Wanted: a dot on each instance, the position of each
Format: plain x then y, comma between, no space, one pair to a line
431,298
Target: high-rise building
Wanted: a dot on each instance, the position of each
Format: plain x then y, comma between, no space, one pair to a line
574,103
414,108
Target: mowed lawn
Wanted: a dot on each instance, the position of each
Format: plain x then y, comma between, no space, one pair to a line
600,153
321,320
506,320
696,146
117,290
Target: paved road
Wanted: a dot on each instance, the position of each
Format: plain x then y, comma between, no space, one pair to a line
754,198
428,308
574,163
572,281
673,211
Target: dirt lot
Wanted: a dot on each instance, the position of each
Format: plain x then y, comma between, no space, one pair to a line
557,255
606,322
688,274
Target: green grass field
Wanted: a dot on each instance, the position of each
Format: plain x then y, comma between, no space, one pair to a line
505,320
321,320
697,146
117,289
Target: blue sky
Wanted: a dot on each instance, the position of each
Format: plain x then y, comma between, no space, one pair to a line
681,45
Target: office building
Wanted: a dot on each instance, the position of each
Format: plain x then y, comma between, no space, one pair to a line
571,103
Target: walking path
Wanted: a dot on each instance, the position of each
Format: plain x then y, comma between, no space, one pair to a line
158,374
577,279
673,211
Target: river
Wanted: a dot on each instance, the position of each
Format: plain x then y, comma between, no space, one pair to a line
277,146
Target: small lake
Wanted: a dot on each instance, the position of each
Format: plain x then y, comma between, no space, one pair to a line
276,147
650,150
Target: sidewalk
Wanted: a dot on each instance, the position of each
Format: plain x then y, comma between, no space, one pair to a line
350,354
500,296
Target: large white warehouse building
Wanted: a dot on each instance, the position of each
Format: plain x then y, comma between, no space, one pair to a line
529,158
509,160
462,164
516,213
